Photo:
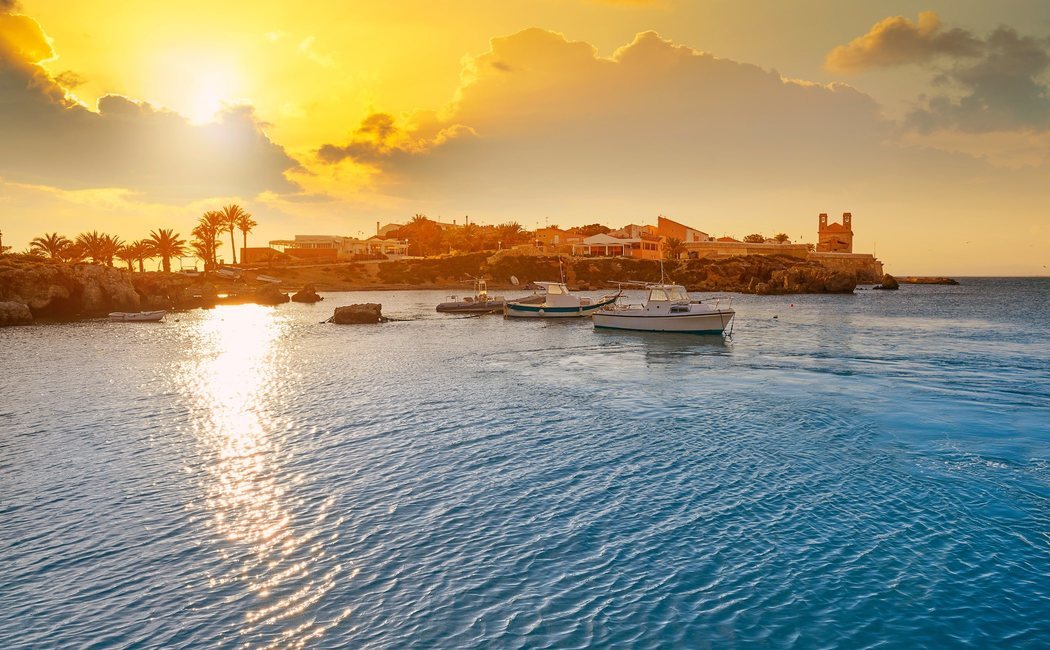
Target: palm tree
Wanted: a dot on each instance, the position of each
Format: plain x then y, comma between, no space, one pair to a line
245,224
143,251
673,248
204,246
231,216
208,228
52,245
100,247
128,255
165,244
781,238
73,254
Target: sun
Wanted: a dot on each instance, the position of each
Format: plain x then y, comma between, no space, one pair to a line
199,85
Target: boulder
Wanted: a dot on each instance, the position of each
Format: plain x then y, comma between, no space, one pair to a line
889,283
306,294
840,282
15,313
270,294
358,314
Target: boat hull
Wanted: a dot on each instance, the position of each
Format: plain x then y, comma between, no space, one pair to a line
519,310
714,322
137,317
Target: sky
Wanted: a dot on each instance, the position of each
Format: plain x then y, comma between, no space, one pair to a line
928,121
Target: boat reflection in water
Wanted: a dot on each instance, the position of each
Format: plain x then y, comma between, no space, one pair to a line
232,379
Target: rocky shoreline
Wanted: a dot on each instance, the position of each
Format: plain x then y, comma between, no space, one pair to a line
34,289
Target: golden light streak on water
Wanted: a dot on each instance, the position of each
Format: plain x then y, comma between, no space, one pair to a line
233,376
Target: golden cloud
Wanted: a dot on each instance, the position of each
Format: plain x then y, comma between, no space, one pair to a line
898,41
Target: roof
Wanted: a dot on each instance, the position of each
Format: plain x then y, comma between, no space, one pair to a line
835,227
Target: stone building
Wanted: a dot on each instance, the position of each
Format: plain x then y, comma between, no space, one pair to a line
835,237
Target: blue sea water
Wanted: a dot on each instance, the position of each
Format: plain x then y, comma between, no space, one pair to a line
849,471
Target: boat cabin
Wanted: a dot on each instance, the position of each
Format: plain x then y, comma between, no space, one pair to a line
556,294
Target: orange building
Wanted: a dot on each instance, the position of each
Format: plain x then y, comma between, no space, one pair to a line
667,228
835,237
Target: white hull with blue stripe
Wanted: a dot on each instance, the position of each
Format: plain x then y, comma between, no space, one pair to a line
557,303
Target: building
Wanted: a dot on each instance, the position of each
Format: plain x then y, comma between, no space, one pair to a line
553,238
645,246
336,247
666,228
835,237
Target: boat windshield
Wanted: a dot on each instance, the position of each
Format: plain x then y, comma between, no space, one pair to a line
555,289
677,293
657,295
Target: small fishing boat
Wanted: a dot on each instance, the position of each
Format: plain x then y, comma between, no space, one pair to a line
481,302
557,303
136,316
667,308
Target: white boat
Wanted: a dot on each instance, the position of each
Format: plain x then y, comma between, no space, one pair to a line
481,302
136,316
667,308
557,303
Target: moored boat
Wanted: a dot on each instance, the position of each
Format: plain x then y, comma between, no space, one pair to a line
667,308
557,303
480,303
136,316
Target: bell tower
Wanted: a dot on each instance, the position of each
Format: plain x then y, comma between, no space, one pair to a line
835,237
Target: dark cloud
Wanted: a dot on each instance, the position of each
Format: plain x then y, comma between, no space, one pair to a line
49,139
9,6
379,138
1003,90
982,85
898,41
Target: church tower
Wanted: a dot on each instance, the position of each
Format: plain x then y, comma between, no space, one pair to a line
835,237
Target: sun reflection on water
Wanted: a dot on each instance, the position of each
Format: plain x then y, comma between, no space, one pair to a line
235,373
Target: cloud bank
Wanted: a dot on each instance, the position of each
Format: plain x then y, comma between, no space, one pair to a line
995,83
541,113
51,139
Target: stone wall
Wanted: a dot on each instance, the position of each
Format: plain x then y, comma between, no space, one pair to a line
719,249
864,265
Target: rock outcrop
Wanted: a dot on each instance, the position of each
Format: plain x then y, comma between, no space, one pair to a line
307,294
15,313
358,314
65,291
889,283
270,294
911,279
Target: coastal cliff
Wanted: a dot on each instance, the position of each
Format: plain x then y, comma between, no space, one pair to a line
758,274
65,291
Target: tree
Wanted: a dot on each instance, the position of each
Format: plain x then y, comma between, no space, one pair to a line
781,238
128,255
245,224
165,244
100,247
53,245
205,244
231,217
673,248
73,254
424,237
211,224
142,250
510,234
755,239
591,229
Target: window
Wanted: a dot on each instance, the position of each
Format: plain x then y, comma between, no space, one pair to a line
555,289
657,294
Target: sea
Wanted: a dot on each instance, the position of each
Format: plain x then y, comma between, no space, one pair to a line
845,471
